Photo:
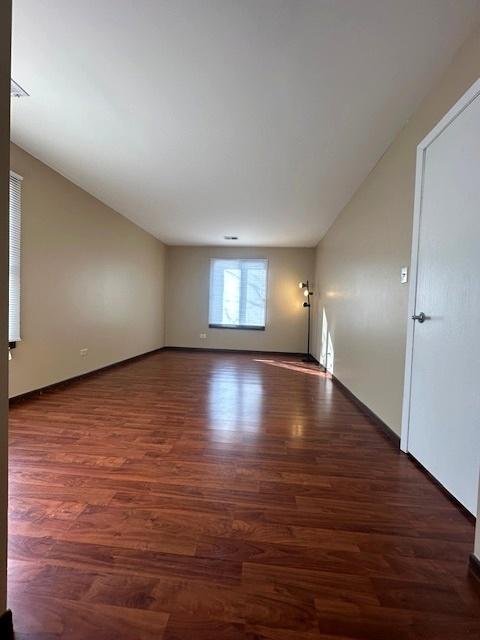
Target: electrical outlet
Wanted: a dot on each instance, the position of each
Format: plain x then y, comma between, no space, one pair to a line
203,336
404,275
84,353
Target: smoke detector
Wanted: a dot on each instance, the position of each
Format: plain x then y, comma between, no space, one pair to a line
16,90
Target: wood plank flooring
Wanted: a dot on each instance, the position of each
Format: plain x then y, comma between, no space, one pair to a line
204,496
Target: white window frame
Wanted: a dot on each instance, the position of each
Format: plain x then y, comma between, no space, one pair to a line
243,296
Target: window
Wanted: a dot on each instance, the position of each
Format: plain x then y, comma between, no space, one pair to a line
15,211
238,293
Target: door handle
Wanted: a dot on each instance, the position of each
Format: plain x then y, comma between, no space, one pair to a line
421,317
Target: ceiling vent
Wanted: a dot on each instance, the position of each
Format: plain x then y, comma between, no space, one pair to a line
230,237
16,90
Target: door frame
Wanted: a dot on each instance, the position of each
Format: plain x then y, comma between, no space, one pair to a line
422,147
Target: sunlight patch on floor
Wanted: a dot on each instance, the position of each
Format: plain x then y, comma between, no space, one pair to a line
294,366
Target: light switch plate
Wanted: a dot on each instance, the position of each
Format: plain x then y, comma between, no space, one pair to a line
404,275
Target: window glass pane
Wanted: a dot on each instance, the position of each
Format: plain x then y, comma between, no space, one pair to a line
231,296
255,298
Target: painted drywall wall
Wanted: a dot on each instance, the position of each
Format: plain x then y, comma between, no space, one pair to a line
186,304
90,279
5,28
358,261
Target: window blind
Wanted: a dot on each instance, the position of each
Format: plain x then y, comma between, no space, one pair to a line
15,213
238,292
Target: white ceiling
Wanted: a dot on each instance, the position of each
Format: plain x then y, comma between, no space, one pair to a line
203,118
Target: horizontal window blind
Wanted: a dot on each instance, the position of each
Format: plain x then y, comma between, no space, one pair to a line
15,214
238,291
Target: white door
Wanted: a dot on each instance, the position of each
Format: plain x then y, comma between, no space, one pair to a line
443,417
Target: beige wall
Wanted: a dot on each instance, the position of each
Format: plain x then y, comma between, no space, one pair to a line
188,278
90,279
5,24
358,261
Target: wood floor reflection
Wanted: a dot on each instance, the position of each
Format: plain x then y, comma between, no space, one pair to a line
203,496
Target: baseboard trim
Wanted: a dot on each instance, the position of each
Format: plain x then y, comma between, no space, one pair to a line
474,566
63,383
386,430
445,492
252,352
6,625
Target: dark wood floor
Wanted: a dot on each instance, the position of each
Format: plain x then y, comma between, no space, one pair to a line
191,496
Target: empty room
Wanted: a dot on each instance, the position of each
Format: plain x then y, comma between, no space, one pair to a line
240,307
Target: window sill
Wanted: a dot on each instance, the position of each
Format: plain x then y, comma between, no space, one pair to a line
242,327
